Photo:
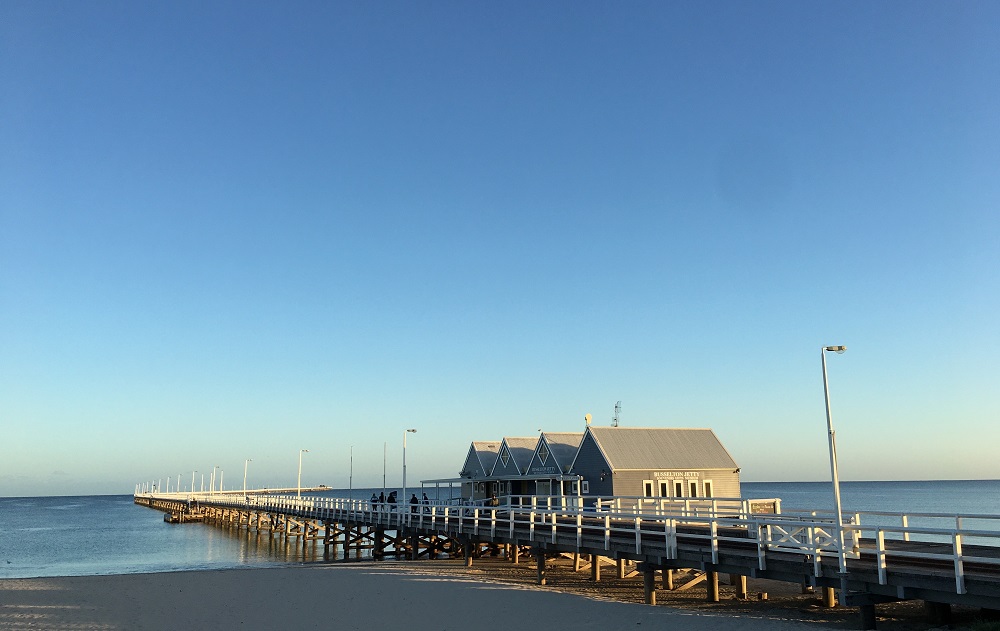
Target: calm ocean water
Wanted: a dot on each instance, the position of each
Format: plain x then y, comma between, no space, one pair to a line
108,534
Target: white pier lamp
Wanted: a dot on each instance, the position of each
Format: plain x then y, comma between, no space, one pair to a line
838,515
405,499
299,488
246,464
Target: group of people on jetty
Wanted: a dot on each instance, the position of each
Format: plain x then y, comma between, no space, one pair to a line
382,503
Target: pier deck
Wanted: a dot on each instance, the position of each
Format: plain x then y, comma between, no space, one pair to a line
877,563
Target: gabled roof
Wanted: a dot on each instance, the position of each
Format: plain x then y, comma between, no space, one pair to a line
483,453
562,446
661,448
520,449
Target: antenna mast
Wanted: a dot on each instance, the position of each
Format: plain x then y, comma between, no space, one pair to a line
618,410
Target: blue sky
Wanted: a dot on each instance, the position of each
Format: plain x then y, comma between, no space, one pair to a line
236,230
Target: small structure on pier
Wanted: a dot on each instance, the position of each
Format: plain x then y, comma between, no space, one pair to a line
603,461
655,462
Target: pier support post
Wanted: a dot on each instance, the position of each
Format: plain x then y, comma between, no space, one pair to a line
576,561
740,581
540,564
938,613
712,586
668,579
595,568
867,616
830,597
467,548
621,568
648,583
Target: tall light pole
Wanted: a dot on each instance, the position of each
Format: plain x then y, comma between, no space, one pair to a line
299,488
405,499
211,482
192,480
350,477
246,464
838,515
221,475
384,451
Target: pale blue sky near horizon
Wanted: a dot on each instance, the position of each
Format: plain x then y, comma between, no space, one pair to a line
234,230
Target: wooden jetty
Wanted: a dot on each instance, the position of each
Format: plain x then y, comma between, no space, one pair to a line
868,564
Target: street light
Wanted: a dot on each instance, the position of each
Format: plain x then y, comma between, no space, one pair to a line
192,480
350,477
299,488
245,465
833,460
409,431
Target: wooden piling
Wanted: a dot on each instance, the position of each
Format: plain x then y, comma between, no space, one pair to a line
712,586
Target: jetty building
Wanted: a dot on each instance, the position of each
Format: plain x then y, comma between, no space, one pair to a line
602,461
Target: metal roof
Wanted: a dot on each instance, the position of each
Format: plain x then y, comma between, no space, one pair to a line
487,452
563,445
521,450
661,448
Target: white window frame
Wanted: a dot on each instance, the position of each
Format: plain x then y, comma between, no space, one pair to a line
585,487
709,488
678,488
693,488
648,488
664,487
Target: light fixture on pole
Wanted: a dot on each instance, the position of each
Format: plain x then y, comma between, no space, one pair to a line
350,477
834,474
246,465
192,480
409,431
299,487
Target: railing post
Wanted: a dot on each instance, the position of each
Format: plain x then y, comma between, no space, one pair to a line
959,564
906,524
715,541
761,549
579,526
638,534
607,532
880,555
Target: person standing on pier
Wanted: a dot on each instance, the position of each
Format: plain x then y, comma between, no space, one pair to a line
413,503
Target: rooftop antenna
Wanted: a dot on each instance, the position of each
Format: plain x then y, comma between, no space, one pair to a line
618,410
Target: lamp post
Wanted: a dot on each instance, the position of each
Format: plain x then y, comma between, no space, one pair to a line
299,488
221,475
838,515
246,464
405,499
350,477
211,481
192,480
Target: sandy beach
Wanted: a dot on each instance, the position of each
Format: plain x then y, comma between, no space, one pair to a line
437,595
